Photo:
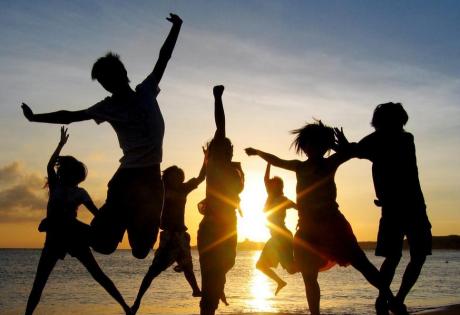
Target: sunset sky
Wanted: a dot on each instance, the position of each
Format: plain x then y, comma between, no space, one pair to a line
283,63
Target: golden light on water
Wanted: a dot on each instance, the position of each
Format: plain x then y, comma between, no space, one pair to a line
260,289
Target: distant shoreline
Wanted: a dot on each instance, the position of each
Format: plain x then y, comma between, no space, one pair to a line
450,242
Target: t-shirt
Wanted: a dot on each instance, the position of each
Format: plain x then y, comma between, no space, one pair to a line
394,168
64,201
172,217
138,122
275,207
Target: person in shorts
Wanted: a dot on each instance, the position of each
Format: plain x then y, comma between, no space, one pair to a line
174,239
279,248
135,193
391,150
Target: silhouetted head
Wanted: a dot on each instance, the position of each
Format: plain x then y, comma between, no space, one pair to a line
275,186
314,139
70,171
173,176
220,150
110,72
389,116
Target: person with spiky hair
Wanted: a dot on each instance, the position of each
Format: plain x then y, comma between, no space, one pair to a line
324,237
135,193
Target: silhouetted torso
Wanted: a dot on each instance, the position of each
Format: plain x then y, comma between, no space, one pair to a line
138,122
316,190
394,169
172,217
64,202
276,207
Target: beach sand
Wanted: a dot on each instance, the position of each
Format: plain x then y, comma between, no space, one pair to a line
444,310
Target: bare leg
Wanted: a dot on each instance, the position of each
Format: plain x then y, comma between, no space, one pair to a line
312,290
154,270
410,276
45,266
387,272
272,275
87,259
190,276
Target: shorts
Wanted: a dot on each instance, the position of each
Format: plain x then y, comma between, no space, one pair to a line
134,203
69,237
390,238
174,247
278,250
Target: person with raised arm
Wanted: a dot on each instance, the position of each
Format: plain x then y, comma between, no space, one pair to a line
324,237
174,239
135,193
279,248
65,234
217,236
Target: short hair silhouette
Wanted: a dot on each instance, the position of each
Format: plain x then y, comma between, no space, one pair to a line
170,171
71,171
109,66
389,116
316,134
275,183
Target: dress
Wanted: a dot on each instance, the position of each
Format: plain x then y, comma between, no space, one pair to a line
324,237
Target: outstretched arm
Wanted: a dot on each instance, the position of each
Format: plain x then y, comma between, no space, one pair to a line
167,48
290,165
202,174
60,117
219,114
53,159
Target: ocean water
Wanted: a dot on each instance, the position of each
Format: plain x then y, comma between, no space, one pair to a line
70,289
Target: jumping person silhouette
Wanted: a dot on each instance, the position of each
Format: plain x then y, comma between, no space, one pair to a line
324,236
64,233
174,239
217,235
279,248
391,150
135,193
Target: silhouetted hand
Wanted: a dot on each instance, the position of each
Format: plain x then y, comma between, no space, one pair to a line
64,136
218,90
174,19
341,141
28,113
251,151
206,153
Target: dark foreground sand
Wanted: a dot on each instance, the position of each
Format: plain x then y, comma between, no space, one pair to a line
445,310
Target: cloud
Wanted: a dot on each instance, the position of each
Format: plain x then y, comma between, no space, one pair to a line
22,197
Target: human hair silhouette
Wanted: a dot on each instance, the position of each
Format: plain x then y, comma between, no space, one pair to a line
279,248
135,193
324,236
217,235
174,239
64,232
391,150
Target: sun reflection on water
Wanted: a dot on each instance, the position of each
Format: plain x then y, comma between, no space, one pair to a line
260,289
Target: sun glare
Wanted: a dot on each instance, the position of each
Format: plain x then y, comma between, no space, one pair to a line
252,225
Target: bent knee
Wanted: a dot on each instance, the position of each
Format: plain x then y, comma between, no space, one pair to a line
140,252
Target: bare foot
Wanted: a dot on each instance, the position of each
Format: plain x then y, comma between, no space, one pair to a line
223,298
196,294
135,307
280,286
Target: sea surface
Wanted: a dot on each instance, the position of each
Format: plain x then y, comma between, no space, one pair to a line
71,290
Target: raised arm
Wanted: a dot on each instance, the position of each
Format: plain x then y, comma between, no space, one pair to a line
290,165
167,48
267,175
219,114
60,117
202,174
53,159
